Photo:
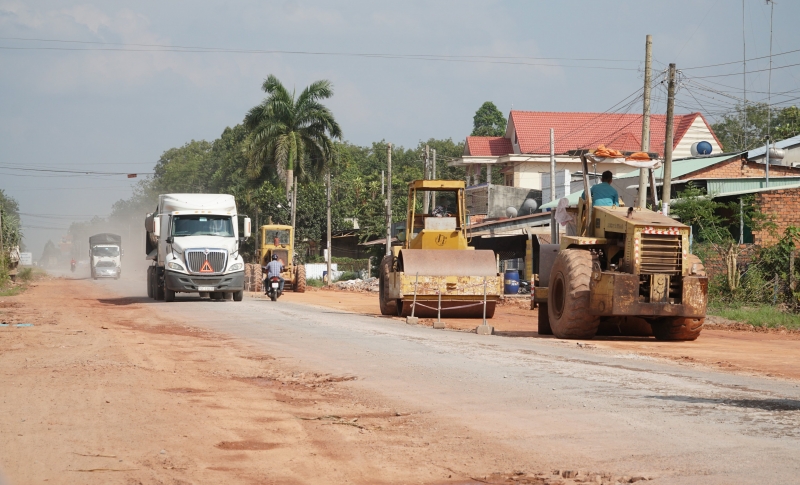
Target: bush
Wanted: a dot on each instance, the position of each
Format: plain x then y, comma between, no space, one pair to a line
315,282
348,275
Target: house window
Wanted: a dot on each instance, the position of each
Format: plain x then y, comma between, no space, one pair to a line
509,180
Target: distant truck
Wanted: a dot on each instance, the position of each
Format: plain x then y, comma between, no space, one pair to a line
193,241
105,255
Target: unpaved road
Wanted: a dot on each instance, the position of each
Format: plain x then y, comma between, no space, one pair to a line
221,387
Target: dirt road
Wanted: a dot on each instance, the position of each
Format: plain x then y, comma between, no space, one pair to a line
111,387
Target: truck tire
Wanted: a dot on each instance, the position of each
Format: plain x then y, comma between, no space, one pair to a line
544,320
169,295
300,279
150,282
388,307
238,295
568,296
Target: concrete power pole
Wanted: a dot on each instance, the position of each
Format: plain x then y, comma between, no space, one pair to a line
668,140
553,226
648,61
330,249
389,199
426,175
294,212
433,177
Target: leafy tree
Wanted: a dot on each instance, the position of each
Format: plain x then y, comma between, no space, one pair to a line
732,132
488,121
291,132
11,228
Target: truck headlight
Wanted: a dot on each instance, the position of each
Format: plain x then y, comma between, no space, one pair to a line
174,265
236,267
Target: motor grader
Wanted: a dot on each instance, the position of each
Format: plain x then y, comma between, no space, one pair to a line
435,272
623,268
277,239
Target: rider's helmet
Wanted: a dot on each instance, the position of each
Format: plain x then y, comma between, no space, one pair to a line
274,257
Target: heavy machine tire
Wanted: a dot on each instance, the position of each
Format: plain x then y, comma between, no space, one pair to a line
568,296
544,320
677,328
238,295
300,279
169,295
388,307
693,259
150,282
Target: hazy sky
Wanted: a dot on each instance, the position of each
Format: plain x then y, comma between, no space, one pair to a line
82,105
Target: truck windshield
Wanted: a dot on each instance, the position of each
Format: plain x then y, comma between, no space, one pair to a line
106,251
197,225
281,235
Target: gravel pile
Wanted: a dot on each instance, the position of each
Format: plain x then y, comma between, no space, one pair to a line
367,285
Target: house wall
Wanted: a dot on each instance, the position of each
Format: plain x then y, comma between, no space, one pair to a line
699,131
738,168
529,174
791,155
784,207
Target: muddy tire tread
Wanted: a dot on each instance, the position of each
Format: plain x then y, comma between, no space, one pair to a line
576,322
300,279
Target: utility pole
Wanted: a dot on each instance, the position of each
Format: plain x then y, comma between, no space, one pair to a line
425,175
389,199
553,226
383,178
668,140
648,62
744,83
766,163
433,177
330,249
294,212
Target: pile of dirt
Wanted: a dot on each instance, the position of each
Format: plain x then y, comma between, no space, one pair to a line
560,477
365,286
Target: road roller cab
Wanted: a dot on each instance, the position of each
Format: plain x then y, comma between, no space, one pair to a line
435,271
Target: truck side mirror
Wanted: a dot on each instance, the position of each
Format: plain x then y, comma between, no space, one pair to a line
170,240
247,227
157,226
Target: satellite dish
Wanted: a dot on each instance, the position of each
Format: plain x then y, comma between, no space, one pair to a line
511,211
701,148
529,206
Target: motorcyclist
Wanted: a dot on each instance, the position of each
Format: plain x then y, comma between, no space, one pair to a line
72,264
274,268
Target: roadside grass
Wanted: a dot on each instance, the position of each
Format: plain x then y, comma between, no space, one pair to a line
315,282
759,315
24,276
12,290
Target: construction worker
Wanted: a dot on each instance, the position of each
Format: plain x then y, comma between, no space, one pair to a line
603,194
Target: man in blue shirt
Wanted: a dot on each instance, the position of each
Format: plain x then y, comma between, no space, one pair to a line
274,268
603,194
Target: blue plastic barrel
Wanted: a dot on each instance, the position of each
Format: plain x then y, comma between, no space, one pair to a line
511,282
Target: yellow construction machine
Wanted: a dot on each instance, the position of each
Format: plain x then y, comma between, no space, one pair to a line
434,272
277,240
624,267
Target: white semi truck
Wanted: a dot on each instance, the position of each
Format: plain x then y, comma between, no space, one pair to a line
193,241
105,255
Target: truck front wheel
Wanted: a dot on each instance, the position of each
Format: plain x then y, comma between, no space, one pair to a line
568,296
238,295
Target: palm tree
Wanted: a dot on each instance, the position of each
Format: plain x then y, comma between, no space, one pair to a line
291,133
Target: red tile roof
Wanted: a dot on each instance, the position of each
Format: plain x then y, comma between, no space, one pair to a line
588,130
493,146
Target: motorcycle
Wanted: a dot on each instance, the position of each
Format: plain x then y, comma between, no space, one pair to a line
273,286
72,265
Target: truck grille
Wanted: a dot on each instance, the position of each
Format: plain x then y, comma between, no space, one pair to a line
196,260
661,254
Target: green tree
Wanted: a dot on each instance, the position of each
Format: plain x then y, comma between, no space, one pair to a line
737,136
488,121
289,132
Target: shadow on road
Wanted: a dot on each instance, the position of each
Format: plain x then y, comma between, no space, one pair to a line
129,300
763,404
